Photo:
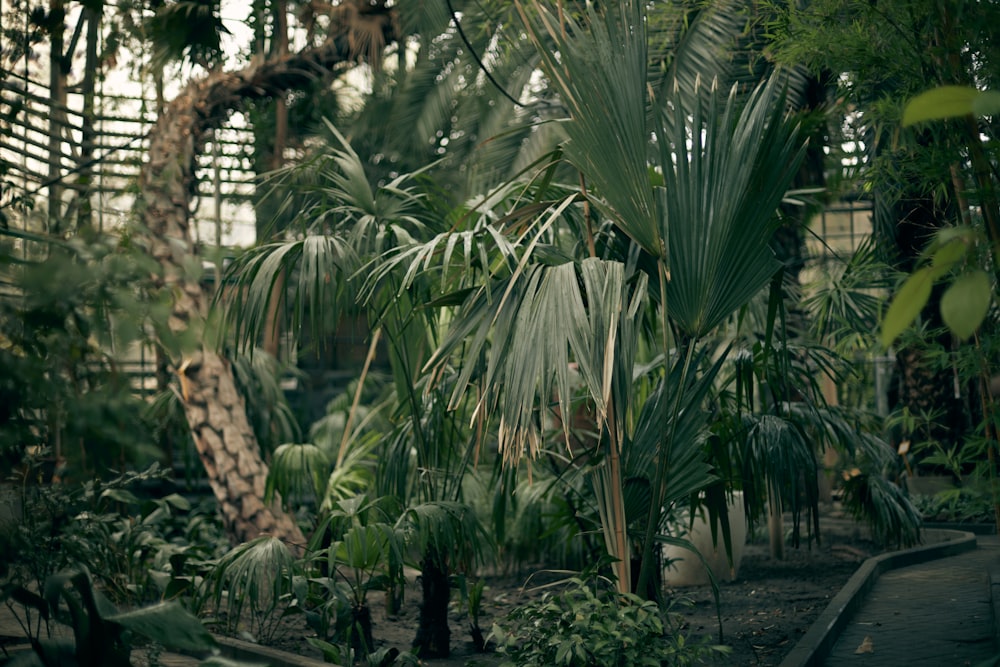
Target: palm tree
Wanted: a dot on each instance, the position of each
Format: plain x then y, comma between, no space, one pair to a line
694,245
217,417
345,222
529,302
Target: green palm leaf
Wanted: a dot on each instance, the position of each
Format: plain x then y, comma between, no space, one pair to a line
600,73
319,266
721,191
554,316
692,42
297,471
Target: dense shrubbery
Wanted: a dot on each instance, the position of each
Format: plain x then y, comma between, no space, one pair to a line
588,624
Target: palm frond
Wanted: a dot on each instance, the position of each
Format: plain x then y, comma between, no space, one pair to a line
355,474
600,73
776,459
694,42
313,271
725,172
255,577
298,471
846,299
554,311
258,377
450,529
688,467
871,498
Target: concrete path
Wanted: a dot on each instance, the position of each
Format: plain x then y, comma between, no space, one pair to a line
932,614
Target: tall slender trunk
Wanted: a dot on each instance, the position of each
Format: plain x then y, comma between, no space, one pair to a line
88,134
279,48
57,93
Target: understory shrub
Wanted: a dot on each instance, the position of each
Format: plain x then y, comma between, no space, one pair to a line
586,625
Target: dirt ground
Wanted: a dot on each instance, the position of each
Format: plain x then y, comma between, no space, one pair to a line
773,603
764,612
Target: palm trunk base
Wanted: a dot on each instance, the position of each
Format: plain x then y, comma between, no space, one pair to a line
433,638
362,639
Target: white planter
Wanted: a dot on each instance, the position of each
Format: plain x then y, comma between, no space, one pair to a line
10,504
686,569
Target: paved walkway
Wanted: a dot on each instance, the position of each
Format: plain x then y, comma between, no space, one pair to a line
931,614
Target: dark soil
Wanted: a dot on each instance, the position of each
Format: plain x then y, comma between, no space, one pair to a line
772,604
764,612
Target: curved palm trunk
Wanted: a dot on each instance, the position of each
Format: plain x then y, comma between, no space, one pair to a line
215,411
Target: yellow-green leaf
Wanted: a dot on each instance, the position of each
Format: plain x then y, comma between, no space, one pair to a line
909,301
946,235
938,103
966,302
947,256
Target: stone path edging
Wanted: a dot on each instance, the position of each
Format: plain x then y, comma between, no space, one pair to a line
241,650
816,644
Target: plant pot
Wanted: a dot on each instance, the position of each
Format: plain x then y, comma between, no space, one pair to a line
10,504
686,569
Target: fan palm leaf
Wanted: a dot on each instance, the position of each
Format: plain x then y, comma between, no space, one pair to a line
688,466
694,42
554,316
600,74
725,172
343,219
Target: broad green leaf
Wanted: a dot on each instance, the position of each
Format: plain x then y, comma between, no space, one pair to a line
949,234
907,304
966,302
941,102
331,652
947,256
168,623
120,496
178,502
986,103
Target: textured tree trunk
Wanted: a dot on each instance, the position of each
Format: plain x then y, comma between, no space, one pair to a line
216,414
88,133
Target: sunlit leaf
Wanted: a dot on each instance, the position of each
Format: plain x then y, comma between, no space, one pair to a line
947,256
964,305
939,103
907,304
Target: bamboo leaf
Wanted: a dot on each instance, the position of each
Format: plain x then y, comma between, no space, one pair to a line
907,304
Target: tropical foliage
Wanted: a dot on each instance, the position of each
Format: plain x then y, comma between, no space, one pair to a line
572,238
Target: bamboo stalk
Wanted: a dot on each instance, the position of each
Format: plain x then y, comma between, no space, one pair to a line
372,348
